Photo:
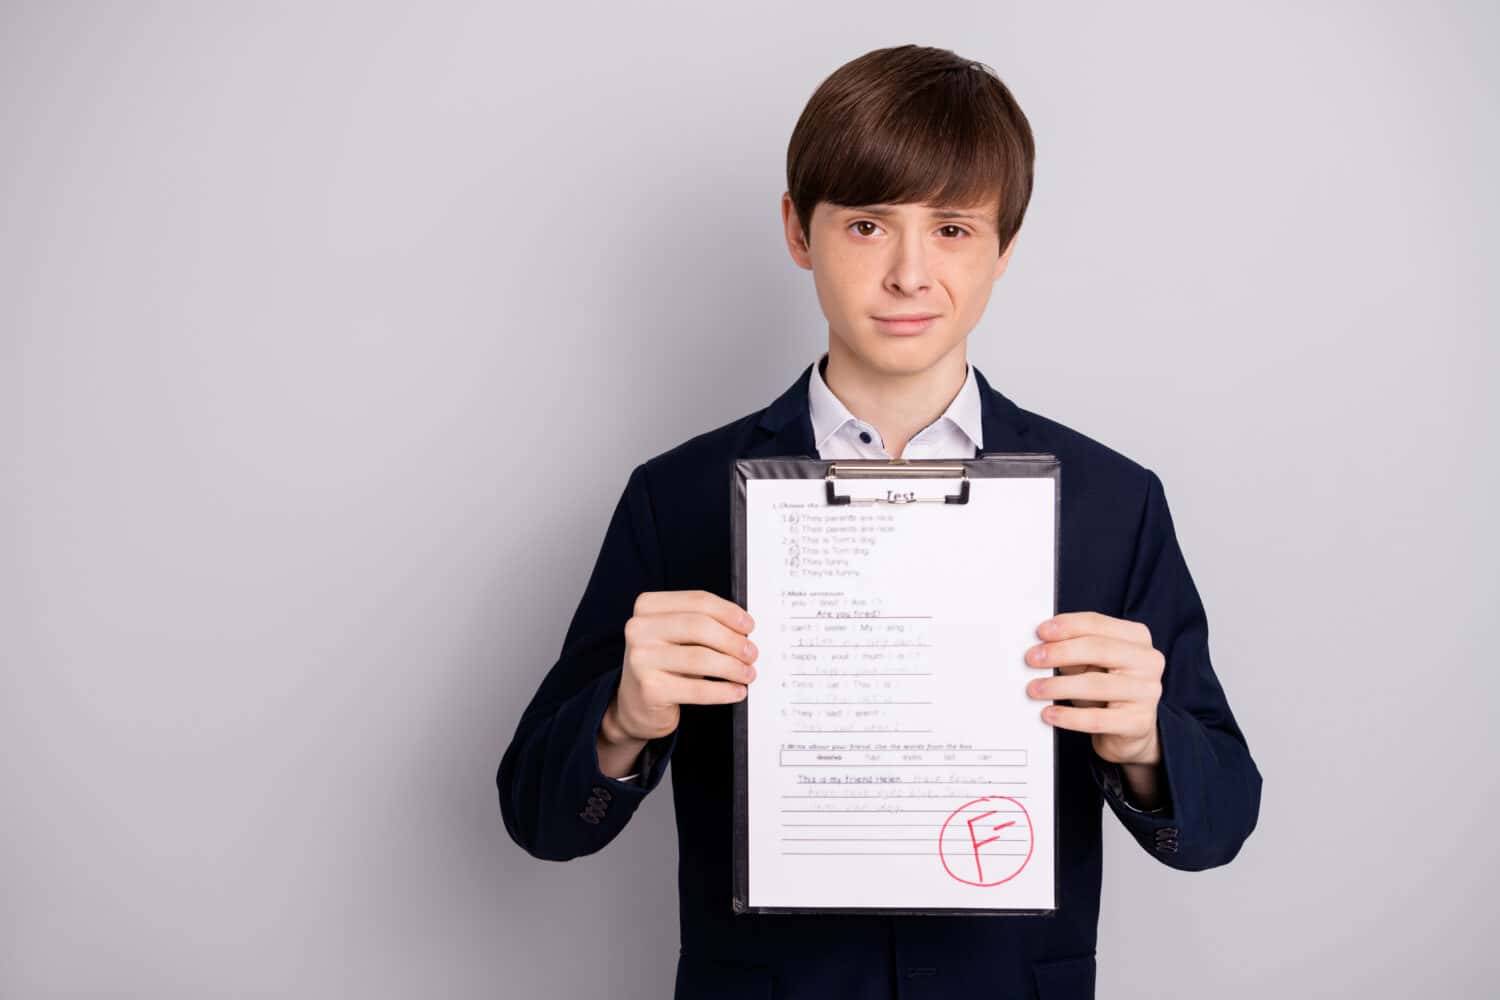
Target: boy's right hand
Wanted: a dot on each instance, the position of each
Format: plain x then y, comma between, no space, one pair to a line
673,642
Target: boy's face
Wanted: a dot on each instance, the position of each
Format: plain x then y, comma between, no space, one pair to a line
874,262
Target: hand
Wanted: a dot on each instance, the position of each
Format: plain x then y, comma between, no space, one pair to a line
682,647
1113,661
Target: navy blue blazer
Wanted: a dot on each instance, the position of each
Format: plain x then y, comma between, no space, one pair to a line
671,531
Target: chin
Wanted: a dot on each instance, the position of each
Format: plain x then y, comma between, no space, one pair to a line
903,355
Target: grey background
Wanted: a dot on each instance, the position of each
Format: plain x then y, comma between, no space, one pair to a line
289,292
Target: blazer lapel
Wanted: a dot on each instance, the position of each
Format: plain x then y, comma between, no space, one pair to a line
785,427
1004,424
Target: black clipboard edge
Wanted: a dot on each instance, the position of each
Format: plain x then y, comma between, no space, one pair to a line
983,465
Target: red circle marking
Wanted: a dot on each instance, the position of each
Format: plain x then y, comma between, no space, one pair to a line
977,840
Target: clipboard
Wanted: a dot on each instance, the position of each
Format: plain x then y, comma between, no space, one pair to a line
941,488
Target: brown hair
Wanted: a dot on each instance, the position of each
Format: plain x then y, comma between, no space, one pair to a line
912,124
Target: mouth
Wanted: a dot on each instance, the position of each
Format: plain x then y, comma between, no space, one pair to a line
907,324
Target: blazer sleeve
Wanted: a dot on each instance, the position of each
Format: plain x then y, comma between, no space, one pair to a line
1212,784
555,801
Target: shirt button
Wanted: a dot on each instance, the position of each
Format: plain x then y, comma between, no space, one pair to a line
864,436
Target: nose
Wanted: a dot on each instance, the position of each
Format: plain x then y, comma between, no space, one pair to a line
908,270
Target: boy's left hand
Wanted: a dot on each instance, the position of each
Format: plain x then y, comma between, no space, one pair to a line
1112,662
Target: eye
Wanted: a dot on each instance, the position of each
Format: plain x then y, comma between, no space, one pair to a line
959,231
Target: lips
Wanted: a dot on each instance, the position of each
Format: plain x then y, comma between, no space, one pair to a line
915,323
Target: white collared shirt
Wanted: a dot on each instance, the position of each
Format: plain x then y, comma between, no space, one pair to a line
837,433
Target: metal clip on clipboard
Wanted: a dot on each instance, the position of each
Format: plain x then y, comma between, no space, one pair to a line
897,468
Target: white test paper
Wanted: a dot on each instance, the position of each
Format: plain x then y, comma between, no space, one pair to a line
894,758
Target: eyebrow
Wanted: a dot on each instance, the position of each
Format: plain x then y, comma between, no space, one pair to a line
883,210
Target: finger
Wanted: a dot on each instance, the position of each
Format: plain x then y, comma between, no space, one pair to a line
691,628
1088,720
727,613
696,691
1075,623
1093,650
700,661
1095,685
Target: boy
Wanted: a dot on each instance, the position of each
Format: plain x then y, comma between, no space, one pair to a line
908,176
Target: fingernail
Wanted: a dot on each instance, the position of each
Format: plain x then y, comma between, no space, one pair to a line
750,650
744,619
1037,654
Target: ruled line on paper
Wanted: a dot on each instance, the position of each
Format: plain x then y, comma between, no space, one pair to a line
853,617
874,811
909,854
924,840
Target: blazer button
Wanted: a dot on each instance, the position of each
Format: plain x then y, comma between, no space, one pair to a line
593,810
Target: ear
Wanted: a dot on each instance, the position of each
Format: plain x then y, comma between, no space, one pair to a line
796,238
1004,260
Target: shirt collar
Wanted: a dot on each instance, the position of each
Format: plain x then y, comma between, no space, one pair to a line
829,413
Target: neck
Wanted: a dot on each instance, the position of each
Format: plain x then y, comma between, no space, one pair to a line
897,404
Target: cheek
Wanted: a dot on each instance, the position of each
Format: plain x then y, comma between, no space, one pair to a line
828,290
844,281
972,295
